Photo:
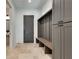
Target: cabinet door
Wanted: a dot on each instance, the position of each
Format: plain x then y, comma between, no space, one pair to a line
56,42
62,42
68,40
67,10
56,11
62,10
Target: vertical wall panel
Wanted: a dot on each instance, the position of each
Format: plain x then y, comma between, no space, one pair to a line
38,28
47,27
50,27
44,27
41,29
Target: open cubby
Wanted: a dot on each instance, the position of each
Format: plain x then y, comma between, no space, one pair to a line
45,32
45,26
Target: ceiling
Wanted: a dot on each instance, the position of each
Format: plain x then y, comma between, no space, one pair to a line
35,4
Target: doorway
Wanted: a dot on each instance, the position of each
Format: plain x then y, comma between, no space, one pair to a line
28,28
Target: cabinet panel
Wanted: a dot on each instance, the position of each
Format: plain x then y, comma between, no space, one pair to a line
68,40
67,10
62,41
62,35
56,42
56,11
62,10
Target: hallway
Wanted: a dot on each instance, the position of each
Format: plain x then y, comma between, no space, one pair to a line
47,22
27,51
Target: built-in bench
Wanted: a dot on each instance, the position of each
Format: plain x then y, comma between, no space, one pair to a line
46,44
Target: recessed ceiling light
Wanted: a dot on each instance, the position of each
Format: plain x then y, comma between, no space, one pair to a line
29,1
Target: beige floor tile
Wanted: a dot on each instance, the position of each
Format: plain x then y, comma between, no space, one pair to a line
27,51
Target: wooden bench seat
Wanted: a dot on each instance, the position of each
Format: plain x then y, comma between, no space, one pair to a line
45,43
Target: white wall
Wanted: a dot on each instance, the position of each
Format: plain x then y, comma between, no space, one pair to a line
46,7
19,23
18,20
12,28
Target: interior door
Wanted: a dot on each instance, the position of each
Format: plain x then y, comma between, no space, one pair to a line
28,28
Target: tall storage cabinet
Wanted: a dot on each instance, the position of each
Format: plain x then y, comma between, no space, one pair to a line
56,28
62,29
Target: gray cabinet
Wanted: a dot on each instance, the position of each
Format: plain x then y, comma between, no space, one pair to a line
56,11
68,41
62,41
62,10
67,10
62,29
56,42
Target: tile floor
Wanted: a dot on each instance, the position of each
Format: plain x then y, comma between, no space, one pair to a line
27,51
